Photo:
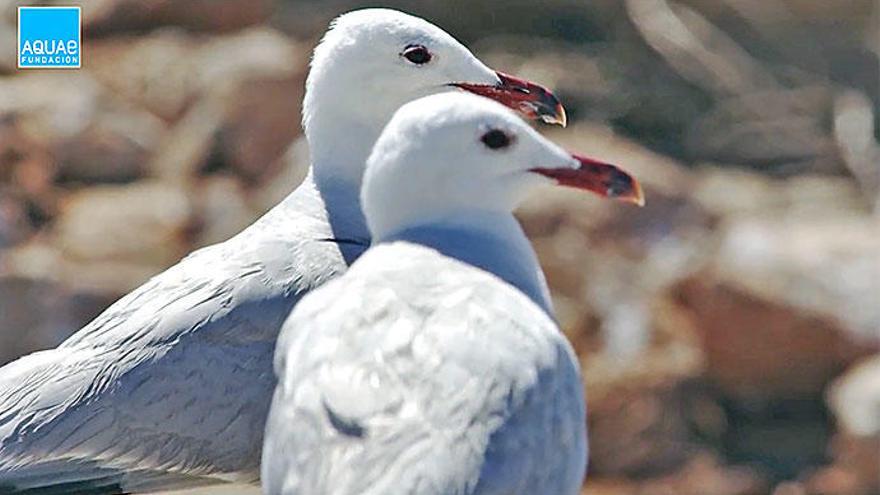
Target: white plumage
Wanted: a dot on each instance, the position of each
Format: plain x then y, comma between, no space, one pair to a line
432,366
419,374
171,385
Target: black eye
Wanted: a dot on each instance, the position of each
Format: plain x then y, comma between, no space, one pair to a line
416,54
496,139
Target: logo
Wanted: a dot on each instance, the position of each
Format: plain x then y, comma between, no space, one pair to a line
49,37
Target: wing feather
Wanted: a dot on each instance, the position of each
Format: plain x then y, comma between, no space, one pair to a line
445,381
172,383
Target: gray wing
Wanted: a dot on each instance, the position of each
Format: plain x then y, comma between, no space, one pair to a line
416,374
171,385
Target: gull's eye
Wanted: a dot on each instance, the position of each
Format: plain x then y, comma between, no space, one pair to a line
416,54
496,139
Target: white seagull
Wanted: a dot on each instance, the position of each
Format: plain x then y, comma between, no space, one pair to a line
432,366
171,385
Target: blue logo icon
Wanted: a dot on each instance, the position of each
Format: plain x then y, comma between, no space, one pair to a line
49,37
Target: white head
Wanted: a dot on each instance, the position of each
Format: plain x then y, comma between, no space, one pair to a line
373,61
444,156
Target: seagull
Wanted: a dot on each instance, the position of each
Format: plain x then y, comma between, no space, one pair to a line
170,386
433,366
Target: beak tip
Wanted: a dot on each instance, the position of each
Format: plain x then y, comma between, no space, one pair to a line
561,117
557,116
624,187
531,100
638,197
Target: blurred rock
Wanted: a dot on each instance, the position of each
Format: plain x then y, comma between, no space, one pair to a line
84,158
221,210
642,408
827,265
14,224
40,260
8,42
27,171
758,350
50,106
854,130
104,17
103,229
780,130
854,399
785,437
86,134
292,168
259,125
843,480
786,301
637,431
704,474
38,314
731,192
235,100
168,70
856,468
697,49
782,305
156,71
608,86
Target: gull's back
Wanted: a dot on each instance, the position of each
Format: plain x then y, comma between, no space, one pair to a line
418,374
170,386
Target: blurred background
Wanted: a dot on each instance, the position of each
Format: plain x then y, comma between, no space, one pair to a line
728,331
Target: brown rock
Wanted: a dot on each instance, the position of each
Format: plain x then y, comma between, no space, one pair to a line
221,210
83,133
842,480
101,155
105,233
27,171
113,16
292,168
854,398
38,314
703,474
49,105
169,70
241,124
156,71
787,303
768,127
14,224
8,42
642,407
758,350
637,431
259,125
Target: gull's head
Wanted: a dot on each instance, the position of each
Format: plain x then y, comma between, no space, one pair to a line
372,61
444,156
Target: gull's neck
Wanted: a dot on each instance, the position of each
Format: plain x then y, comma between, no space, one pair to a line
491,241
338,150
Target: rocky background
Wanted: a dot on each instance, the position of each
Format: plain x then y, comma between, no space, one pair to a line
728,331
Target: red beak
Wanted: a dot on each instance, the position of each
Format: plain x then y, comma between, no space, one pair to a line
604,179
529,99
